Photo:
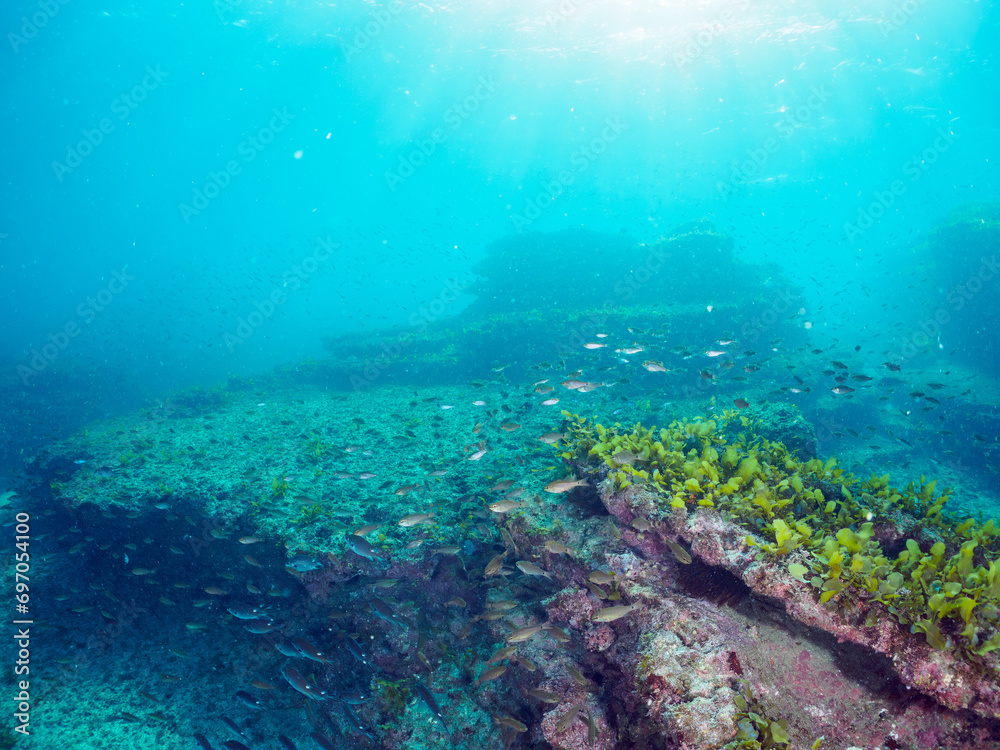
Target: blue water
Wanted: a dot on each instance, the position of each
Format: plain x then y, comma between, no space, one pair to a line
196,193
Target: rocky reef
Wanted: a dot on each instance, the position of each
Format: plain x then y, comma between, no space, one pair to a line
701,587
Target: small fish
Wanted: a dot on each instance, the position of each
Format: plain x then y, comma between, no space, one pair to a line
577,676
261,685
199,738
502,654
381,609
557,549
591,729
215,591
490,616
525,662
309,651
416,518
355,650
360,546
523,634
552,438
565,485
624,457
741,403
505,506
610,614
842,389
246,611
249,539
596,590
300,683
427,697
143,571
456,602
679,552
495,566
641,524
567,718
550,402
234,727
450,549
303,563
367,529
530,569
491,674
511,723
601,578
544,695
286,743
244,697
556,632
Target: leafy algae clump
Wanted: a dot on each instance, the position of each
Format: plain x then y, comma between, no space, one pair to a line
950,591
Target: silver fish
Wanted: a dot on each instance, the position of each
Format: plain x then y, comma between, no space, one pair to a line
360,546
428,698
303,563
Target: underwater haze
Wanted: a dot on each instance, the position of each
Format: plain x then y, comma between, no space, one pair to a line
560,374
